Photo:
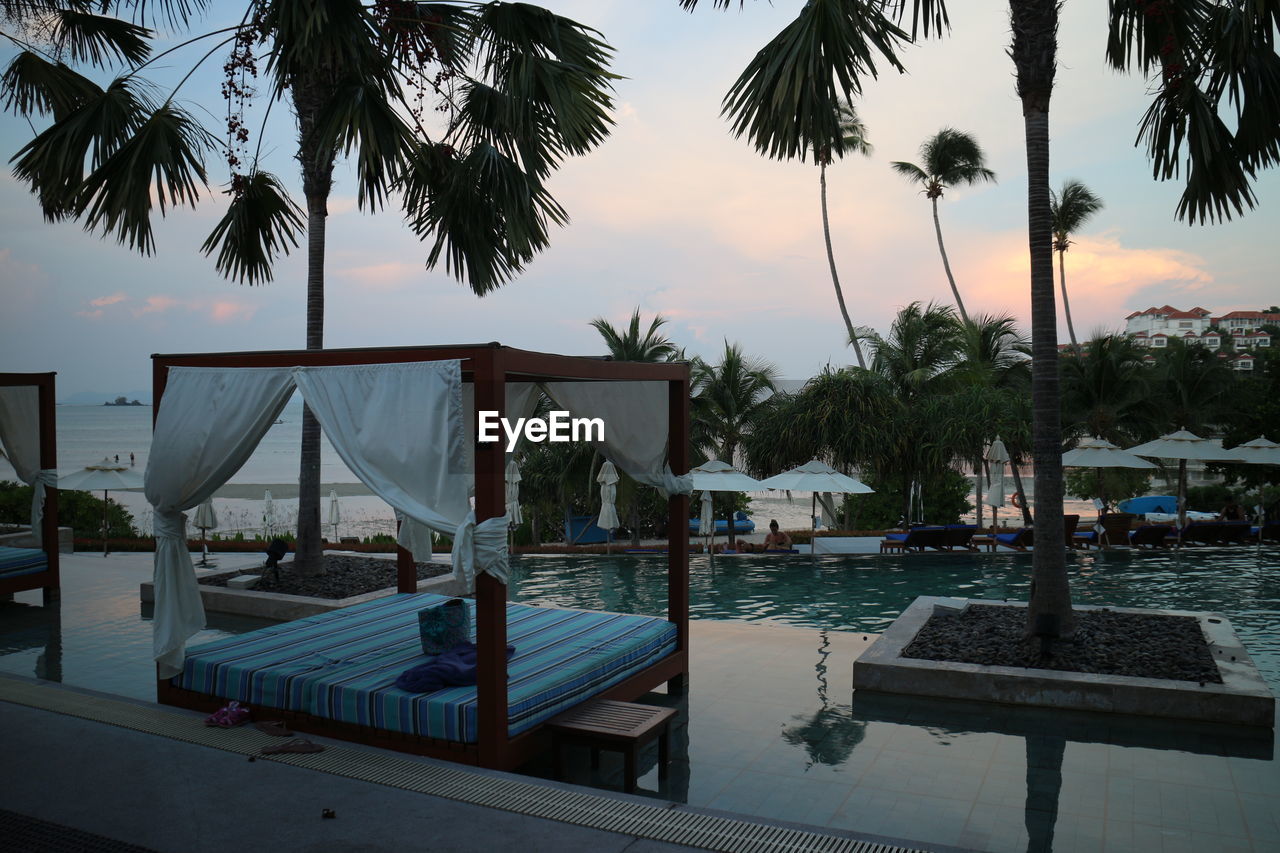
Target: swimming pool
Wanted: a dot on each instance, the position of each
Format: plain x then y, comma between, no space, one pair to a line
866,593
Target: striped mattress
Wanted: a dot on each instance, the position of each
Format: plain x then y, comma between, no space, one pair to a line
22,561
342,665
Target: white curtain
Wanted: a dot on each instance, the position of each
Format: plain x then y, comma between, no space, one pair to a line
20,437
635,426
209,422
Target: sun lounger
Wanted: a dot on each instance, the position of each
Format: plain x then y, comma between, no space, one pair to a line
959,537
1151,536
916,539
1019,540
1115,532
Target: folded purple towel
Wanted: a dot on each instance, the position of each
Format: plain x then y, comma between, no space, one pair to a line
452,668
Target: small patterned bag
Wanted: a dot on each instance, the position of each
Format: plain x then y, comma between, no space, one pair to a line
443,626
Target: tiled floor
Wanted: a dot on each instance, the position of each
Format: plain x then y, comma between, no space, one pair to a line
770,727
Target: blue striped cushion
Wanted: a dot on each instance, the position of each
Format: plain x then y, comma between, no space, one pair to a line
342,665
22,561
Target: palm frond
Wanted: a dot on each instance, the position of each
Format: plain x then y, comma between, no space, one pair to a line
444,32
910,171
953,157
161,164
928,17
487,217
330,38
784,102
99,39
33,85
53,163
359,117
1071,209
261,223
175,14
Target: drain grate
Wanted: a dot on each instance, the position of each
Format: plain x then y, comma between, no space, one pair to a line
654,822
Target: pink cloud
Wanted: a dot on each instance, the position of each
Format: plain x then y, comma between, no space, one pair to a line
382,277
227,311
156,305
107,300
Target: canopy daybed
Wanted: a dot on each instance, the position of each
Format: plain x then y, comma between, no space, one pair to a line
28,436
333,674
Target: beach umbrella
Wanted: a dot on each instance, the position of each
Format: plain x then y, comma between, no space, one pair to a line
716,476
608,519
335,512
268,515
814,476
1259,451
108,476
206,519
1183,446
997,456
1098,453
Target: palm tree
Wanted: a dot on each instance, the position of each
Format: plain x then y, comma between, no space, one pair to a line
950,158
1107,391
631,345
728,399
853,140
1072,208
520,89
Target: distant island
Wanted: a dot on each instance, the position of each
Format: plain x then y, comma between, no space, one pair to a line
121,401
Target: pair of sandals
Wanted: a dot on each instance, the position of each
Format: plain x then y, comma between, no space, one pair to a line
234,714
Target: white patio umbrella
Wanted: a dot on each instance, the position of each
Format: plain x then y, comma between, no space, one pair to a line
108,476
206,519
1098,453
512,476
814,476
268,515
716,476
608,519
1259,451
997,456
335,512
1183,446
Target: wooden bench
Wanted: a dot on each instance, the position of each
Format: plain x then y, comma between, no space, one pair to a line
620,726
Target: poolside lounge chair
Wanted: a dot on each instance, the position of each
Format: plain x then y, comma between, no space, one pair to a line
1151,536
959,536
1019,540
1267,532
1115,532
1216,533
1236,533
916,539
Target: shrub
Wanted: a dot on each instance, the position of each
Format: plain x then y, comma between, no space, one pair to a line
80,511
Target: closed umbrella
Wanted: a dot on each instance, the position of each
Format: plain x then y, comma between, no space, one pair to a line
997,456
268,515
1183,446
815,476
608,519
108,476
512,475
716,476
206,519
335,512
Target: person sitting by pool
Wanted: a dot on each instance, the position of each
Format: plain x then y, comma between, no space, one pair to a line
776,540
1232,511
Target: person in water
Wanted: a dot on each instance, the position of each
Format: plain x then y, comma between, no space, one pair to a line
776,540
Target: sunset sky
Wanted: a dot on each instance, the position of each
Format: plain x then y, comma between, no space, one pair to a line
676,216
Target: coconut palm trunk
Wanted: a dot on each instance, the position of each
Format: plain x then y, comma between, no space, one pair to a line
1034,51
309,97
946,264
835,278
1066,306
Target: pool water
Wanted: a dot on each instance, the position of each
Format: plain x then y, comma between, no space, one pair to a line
866,593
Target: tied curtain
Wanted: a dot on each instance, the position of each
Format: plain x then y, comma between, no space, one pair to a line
20,438
635,427
398,427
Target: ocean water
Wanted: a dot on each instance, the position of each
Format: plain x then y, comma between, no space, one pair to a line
86,434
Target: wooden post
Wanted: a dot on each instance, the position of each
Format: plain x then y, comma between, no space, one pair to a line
49,462
406,569
678,520
491,594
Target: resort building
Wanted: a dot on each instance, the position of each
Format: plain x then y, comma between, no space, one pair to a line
1233,335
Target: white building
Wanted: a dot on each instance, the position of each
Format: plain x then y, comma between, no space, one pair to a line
1234,332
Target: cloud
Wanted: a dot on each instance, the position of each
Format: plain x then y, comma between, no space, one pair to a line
226,311
156,305
108,300
381,277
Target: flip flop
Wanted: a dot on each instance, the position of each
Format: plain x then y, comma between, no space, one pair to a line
229,716
275,728
298,744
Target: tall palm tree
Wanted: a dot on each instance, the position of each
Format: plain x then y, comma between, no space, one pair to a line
729,399
949,158
631,345
1072,208
1107,391
520,89
853,140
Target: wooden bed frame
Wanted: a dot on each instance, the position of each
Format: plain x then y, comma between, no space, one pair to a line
48,580
489,367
